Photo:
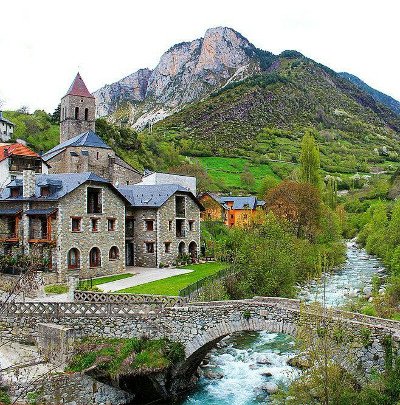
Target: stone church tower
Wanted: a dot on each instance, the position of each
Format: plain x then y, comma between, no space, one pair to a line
77,113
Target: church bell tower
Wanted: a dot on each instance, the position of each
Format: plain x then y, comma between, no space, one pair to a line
78,108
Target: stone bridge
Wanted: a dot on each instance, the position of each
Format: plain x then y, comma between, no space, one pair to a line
198,326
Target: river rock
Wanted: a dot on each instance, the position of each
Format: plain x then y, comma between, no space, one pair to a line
367,291
263,360
302,362
266,374
213,375
270,387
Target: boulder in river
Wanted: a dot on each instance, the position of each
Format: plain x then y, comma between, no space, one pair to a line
302,362
367,291
270,387
213,375
263,360
266,374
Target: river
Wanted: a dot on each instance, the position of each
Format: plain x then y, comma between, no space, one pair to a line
248,361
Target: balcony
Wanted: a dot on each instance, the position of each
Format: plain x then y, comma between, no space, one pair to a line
180,228
36,235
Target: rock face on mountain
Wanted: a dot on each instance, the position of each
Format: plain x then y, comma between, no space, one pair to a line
187,72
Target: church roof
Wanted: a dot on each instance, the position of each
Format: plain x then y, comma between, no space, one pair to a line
87,139
78,88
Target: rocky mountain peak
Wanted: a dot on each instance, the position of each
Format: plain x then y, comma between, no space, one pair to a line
186,72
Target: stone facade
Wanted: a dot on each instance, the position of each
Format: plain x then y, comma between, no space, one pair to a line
71,124
51,235
164,235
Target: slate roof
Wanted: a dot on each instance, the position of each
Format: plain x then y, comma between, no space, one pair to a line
152,195
62,185
16,149
239,202
78,88
2,119
87,139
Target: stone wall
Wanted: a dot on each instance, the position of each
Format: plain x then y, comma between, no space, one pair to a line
70,389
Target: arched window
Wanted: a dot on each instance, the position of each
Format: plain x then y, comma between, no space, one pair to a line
86,114
73,259
181,248
76,113
114,253
95,257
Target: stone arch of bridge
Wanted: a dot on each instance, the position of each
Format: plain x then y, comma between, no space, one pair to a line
197,348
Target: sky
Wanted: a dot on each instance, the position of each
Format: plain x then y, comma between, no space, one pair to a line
44,43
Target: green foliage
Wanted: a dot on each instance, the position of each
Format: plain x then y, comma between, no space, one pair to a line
4,396
309,161
38,129
117,356
56,289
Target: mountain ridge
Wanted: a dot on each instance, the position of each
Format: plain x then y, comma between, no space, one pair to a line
191,70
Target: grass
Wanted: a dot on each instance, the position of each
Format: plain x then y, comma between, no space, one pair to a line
172,285
56,289
227,171
117,356
104,280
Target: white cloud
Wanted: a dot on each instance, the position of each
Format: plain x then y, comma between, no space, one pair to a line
44,43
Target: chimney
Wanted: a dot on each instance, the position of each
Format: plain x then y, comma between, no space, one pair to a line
28,183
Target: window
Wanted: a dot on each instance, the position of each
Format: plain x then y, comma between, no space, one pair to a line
76,113
180,228
114,253
76,224
16,192
73,259
170,226
86,114
94,200
244,216
191,225
149,225
111,224
129,227
95,224
180,206
97,155
167,246
149,247
94,257
44,191
232,216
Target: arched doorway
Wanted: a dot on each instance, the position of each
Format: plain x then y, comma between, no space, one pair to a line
95,257
193,250
73,259
181,248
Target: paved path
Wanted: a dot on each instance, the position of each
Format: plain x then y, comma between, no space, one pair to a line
142,276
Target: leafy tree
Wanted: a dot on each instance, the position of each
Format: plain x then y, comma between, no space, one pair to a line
204,182
309,161
247,178
299,204
267,184
55,117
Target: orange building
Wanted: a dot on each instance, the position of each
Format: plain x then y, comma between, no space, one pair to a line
232,210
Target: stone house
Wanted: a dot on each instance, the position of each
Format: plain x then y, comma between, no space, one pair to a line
231,210
15,158
6,129
74,221
81,149
162,223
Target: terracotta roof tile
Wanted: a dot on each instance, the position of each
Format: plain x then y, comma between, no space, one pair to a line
78,88
16,149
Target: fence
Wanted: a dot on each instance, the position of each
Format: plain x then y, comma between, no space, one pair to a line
161,300
193,289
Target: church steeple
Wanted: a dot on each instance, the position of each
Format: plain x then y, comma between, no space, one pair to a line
78,110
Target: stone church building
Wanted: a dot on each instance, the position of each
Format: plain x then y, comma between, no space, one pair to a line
81,149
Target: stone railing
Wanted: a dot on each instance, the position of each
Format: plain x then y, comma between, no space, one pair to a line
162,300
72,309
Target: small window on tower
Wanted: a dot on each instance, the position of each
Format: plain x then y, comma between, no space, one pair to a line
86,114
76,113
